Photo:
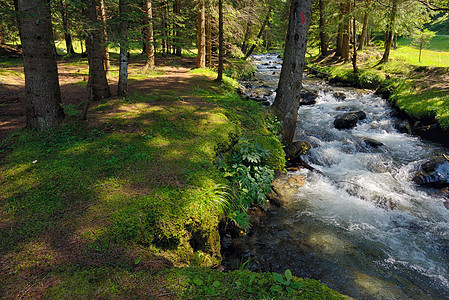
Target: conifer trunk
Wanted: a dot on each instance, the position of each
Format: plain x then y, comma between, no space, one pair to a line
390,31
105,47
123,70
201,42
286,104
324,39
149,35
220,41
97,72
363,36
65,26
43,95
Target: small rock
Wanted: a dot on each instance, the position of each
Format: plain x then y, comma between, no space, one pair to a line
372,143
404,127
339,95
307,98
348,120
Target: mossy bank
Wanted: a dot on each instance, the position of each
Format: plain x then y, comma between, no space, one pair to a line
113,207
418,93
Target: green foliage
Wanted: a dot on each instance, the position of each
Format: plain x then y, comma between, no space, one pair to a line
247,170
70,110
197,283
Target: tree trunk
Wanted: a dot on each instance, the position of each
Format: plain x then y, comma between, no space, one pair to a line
247,35
94,45
123,70
149,35
201,42
324,39
177,11
339,43
105,47
354,42
208,41
363,36
262,28
390,32
286,104
65,25
346,30
220,41
43,95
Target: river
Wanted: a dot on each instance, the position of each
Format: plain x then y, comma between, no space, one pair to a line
360,225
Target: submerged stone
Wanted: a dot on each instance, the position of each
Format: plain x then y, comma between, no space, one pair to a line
434,173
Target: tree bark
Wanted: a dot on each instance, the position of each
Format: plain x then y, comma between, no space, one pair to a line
262,28
65,25
208,41
339,43
247,35
324,39
105,47
363,36
354,42
94,45
43,95
123,70
220,41
149,35
286,104
177,11
346,32
390,32
201,42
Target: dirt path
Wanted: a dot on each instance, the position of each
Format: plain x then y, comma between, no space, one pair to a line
73,87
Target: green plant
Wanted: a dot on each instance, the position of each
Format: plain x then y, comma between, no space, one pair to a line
248,171
70,110
284,283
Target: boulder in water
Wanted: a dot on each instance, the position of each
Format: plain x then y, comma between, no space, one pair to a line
307,97
434,173
339,95
372,143
348,120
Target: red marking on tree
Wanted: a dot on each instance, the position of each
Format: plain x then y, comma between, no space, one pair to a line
303,18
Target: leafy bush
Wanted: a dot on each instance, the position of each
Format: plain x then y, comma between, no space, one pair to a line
249,174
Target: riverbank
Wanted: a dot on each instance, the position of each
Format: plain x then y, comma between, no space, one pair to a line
418,93
129,203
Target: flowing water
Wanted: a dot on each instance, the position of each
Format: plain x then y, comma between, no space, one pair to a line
359,225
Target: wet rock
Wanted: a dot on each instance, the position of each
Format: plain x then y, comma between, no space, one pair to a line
339,95
296,149
434,173
282,192
307,97
348,120
372,143
404,127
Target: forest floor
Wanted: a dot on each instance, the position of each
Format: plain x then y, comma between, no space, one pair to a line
119,206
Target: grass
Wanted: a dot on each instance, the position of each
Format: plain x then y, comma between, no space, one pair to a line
435,54
419,89
107,210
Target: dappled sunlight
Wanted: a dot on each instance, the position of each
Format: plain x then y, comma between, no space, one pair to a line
329,243
376,286
31,255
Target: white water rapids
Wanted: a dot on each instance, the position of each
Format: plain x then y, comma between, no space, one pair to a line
362,226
